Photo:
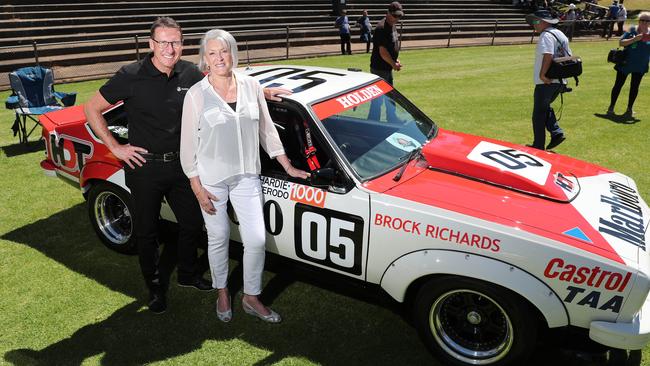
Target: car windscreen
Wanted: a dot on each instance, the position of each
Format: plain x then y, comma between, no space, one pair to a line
375,127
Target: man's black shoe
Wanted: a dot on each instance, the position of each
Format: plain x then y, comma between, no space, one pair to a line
200,284
157,303
555,141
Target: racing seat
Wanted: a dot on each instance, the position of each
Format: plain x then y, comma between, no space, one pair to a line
32,95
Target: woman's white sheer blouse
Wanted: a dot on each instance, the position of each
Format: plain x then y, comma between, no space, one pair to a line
217,142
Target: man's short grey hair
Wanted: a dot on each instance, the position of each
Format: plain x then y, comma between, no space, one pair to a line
218,35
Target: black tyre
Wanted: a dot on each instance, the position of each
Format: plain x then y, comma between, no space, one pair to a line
464,321
110,208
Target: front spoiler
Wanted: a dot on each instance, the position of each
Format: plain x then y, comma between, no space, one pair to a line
632,336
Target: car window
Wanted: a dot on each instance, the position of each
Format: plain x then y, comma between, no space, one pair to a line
375,127
291,126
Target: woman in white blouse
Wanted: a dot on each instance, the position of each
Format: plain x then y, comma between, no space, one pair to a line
225,120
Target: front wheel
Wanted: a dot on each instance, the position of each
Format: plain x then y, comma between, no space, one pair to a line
110,210
470,322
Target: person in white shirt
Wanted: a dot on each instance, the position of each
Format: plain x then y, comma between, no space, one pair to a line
225,120
552,43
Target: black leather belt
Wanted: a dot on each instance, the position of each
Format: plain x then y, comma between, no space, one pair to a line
162,158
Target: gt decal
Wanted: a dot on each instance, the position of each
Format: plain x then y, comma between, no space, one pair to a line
517,162
70,153
330,238
626,221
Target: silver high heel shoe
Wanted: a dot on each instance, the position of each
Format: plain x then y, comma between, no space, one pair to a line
271,318
225,316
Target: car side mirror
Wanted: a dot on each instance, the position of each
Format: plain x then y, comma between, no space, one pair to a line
323,177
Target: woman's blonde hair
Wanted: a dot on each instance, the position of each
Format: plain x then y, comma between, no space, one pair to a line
219,35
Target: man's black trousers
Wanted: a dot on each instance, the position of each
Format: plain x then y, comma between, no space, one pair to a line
149,184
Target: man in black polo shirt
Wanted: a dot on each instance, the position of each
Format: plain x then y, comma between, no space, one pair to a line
386,45
383,60
153,90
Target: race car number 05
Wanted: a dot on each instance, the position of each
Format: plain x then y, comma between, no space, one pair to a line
510,160
330,238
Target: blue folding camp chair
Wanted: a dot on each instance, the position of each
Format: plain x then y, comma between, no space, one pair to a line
33,95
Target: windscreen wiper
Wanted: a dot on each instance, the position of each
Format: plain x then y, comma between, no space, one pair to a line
412,155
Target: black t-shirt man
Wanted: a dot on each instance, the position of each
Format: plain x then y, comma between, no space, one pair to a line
153,101
387,37
153,91
386,44
384,59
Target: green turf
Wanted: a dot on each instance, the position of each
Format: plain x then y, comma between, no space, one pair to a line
66,300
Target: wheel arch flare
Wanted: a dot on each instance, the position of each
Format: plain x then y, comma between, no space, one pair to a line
402,272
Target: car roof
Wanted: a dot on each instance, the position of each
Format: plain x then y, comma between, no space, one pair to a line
309,84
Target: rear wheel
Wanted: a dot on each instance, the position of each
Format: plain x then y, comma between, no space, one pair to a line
470,322
110,210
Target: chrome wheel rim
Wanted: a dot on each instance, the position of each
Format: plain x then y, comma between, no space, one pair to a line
113,218
471,327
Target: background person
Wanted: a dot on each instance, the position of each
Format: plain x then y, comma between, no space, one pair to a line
621,17
611,17
343,25
366,29
569,20
546,90
225,120
153,90
384,58
637,54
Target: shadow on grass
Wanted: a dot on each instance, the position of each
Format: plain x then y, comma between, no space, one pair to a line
20,148
319,325
616,118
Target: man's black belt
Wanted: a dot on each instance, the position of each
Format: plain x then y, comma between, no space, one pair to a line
163,157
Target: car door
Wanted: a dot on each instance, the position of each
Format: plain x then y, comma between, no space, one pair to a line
321,222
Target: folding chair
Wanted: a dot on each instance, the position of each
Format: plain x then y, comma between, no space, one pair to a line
32,95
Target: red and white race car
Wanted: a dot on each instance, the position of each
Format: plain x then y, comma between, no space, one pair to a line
490,241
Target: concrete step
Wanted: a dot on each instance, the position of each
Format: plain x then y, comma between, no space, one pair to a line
241,14
89,52
144,32
376,10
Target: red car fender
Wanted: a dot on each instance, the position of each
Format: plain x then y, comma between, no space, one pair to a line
104,172
404,271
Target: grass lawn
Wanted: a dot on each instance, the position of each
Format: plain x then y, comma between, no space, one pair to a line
66,300
630,5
